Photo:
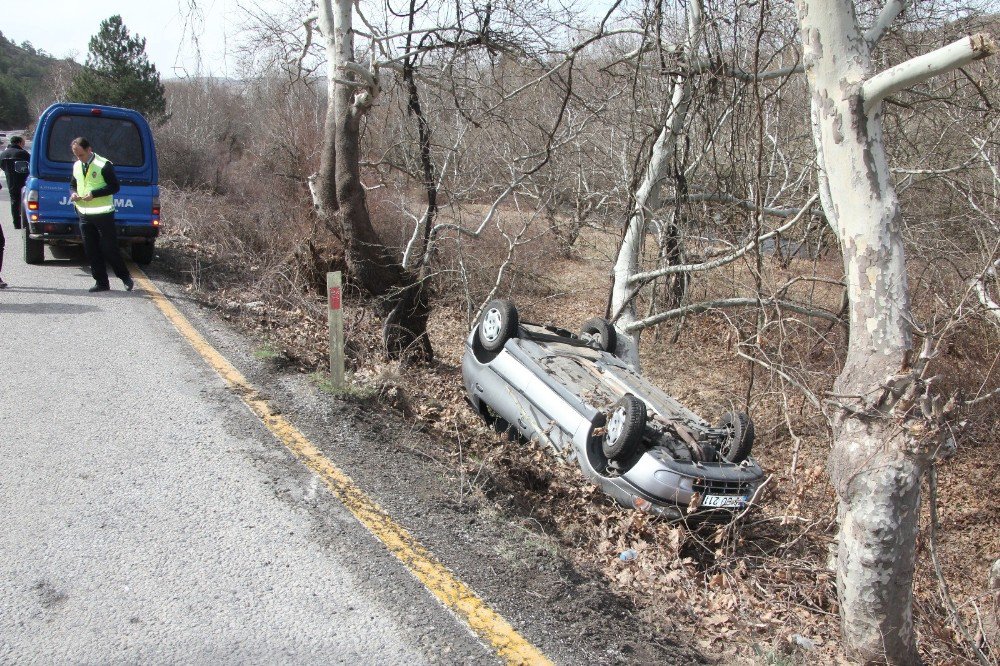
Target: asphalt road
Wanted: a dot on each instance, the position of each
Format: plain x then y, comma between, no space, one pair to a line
147,516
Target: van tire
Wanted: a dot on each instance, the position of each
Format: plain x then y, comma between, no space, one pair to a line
142,253
34,250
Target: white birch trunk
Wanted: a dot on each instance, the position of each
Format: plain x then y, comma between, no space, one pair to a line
323,187
875,468
648,200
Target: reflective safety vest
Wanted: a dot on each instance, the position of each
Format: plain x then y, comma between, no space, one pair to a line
94,180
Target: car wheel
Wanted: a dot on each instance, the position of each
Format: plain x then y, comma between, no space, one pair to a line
142,253
739,440
497,325
625,428
602,332
34,250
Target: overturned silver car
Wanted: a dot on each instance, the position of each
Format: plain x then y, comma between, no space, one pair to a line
570,393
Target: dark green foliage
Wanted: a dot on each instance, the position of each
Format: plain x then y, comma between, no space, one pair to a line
21,68
13,103
118,73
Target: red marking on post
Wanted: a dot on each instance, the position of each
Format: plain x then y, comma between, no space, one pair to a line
335,298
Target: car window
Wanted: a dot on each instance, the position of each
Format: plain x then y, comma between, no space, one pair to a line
116,139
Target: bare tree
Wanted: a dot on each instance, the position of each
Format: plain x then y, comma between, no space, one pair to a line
340,194
881,402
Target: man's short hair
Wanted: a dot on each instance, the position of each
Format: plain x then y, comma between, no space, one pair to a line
16,140
82,142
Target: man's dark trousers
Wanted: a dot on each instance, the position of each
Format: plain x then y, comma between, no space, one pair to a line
100,240
15,204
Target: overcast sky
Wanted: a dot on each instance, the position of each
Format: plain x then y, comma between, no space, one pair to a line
63,28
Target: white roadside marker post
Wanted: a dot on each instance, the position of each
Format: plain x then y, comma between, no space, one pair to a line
335,319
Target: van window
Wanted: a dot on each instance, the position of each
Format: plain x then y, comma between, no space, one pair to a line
114,138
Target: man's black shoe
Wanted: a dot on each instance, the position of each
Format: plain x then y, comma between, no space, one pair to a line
99,287
129,284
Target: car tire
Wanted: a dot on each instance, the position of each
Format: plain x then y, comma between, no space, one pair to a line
602,332
736,448
142,253
625,427
497,325
34,250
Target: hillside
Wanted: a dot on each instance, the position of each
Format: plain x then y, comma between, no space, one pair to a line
29,78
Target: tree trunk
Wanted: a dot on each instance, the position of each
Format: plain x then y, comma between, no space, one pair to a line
340,195
647,200
416,251
876,478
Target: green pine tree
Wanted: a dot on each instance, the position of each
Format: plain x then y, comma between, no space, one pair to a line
13,103
118,73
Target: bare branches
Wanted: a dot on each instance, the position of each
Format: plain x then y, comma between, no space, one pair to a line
805,390
979,284
890,11
697,308
709,265
956,619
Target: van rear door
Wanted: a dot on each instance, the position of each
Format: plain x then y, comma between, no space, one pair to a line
120,135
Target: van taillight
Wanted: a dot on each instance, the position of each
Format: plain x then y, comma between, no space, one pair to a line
156,206
32,199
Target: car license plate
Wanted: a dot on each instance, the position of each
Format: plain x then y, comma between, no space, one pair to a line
723,501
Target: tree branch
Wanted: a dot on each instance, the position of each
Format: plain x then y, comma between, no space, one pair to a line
921,68
708,265
892,9
697,308
810,396
979,285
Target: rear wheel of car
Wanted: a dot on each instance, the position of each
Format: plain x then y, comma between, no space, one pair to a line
497,325
740,438
601,332
625,428
142,253
34,250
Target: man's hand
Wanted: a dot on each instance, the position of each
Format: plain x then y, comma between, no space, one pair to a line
74,196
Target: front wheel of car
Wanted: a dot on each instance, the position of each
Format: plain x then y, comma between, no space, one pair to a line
600,331
739,440
497,325
625,428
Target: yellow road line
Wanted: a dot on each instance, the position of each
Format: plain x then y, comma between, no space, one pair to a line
453,593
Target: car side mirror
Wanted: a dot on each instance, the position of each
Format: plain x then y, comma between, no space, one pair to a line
21,166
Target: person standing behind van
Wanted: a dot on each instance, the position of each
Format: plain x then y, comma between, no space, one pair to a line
94,185
3,285
15,182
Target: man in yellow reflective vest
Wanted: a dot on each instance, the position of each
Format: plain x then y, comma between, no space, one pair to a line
93,186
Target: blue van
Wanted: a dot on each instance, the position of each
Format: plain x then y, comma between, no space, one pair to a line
122,136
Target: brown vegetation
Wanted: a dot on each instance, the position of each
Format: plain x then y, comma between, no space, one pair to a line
241,231
745,590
